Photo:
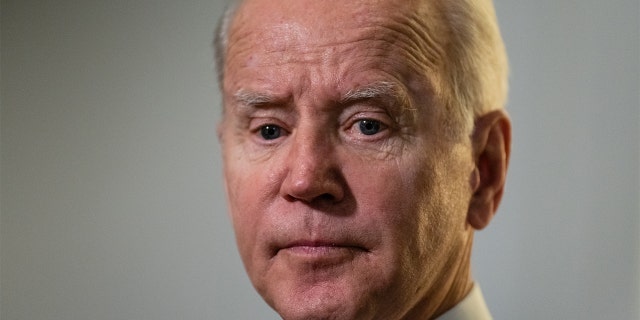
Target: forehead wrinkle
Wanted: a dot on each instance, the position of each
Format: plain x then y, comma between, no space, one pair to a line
413,35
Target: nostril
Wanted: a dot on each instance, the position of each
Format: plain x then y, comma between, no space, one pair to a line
326,197
289,198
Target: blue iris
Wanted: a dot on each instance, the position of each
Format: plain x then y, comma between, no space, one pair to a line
369,127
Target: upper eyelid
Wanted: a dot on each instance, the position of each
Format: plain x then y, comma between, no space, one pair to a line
279,116
257,122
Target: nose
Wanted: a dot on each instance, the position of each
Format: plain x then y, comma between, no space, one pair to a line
313,171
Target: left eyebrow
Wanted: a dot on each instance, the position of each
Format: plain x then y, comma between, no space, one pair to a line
381,90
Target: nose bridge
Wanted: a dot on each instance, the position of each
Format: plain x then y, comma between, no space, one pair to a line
312,171
310,152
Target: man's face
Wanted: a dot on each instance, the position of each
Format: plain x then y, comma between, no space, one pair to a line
347,197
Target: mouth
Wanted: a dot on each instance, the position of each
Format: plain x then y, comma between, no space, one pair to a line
319,246
319,252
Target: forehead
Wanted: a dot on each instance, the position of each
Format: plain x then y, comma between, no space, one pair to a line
321,14
400,36
308,9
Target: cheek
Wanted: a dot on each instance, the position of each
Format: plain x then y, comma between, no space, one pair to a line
396,202
243,194
237,210
443,204
418,203
390,196
251,189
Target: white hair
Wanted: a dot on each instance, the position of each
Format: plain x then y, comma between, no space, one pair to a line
476,75
221,39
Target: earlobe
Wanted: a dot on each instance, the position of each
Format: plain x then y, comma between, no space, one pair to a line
491,142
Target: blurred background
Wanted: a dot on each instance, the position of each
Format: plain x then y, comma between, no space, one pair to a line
111,201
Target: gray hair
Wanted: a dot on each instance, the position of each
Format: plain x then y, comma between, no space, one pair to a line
474,80
221,39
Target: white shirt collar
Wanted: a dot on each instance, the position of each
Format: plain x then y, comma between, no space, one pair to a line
472,307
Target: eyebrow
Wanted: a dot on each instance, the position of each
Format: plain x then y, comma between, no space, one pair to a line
253,99
381,90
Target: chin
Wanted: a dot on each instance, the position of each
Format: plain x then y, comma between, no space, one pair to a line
322,300
318,308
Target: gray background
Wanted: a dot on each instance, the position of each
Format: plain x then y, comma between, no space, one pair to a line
111,201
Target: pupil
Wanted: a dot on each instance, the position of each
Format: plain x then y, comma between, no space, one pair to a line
369,127
270,132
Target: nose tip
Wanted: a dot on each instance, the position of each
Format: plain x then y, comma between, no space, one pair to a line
313,175
314,184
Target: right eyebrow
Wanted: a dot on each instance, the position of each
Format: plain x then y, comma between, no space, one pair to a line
249,98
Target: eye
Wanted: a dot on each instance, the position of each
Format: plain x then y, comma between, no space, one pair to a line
369,127
270,132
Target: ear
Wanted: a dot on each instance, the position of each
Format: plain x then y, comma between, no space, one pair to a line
491,141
